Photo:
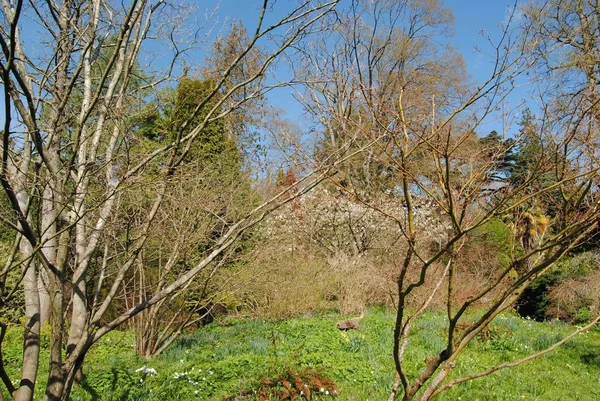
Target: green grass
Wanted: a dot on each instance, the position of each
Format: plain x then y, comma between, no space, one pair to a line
221,360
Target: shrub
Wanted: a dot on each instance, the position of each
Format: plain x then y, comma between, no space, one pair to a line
535,300
302,384
575,299
571,291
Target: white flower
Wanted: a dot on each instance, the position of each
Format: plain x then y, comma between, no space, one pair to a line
146,370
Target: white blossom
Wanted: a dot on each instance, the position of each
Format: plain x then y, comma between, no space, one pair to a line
146,370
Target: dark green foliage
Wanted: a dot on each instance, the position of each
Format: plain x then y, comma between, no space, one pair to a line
535,163
535,300
191,106
502,150
212,156
528,161
185,113
528,154
520,160
148,124
213,192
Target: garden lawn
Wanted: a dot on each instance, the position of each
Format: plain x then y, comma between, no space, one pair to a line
222,362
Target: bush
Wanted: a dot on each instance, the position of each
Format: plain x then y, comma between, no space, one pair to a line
535,300
576,299
498,235
571,291
302,384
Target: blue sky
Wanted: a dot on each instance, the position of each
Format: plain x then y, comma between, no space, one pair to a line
472,16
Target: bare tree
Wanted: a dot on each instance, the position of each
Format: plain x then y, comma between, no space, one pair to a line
375,51
427,140
67,161
564,39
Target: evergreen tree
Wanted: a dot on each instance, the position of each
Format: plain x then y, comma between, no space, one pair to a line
214,193
522,157
502,151
529,153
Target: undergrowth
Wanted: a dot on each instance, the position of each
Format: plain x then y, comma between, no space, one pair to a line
260,360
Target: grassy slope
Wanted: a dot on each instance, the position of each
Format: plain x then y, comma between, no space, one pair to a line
220,360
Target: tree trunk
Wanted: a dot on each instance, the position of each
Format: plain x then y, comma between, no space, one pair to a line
56,378
31,337
43,284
